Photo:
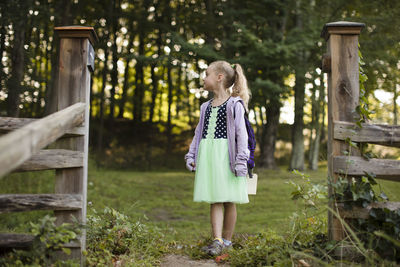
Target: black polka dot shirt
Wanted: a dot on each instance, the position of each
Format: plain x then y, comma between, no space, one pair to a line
215,122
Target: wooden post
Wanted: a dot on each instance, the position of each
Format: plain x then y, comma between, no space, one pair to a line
343,95
73,85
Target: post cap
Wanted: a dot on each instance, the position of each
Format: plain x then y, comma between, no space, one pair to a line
77,32
341,27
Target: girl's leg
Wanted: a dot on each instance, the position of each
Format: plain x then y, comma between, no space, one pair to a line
229,220
217,219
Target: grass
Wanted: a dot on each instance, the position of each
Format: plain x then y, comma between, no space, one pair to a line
165,199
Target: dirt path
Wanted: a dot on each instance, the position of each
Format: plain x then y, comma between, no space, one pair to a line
181,260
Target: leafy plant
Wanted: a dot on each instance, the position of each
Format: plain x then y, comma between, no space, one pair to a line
113,236
308,223
263,249
49,238
362,109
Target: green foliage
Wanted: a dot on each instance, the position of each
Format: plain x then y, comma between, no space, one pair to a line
49,238
362,109
380,231
356,192
113,236
264,249
310,193
308,223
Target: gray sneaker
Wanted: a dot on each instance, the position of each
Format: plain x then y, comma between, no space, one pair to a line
215,248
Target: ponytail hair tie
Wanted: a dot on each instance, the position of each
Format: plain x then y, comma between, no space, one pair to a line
233,66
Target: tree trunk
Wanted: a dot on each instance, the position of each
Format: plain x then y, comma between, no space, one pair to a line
395,106
169,124
154,82
102,94
259,123
178,93
154,76
62,18
2,49
39,76
139,90
270,130
313,125
114,73
297,156
315,149
114,77
141,75
319,125
124,89
17,66
187,100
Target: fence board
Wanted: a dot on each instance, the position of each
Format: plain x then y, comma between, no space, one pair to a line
52,159
8,124
19,145
388,135
15,240
363,213
8,240
28,202
383,168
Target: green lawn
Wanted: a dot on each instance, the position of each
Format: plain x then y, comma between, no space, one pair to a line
165,199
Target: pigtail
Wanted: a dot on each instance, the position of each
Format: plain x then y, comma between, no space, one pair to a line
240,86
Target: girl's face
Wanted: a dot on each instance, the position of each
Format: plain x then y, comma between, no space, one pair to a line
211,79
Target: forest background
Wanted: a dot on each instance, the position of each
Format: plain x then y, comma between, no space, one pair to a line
146,87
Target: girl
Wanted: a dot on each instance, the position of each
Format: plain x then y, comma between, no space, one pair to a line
218,152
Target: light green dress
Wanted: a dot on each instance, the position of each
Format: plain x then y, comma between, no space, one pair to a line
214,180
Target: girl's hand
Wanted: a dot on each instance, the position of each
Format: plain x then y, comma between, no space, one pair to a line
193,166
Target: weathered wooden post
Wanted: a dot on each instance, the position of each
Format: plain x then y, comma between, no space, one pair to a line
341,63
76,59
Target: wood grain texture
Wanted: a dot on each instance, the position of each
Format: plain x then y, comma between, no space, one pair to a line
28,202
8,124
381,134
15,240
80,32
8,240
73,85
18,146
363,213
386,169
343,95
52,159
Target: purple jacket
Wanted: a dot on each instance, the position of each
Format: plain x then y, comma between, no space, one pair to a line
236,130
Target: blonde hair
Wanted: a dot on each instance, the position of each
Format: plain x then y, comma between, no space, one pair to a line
234,76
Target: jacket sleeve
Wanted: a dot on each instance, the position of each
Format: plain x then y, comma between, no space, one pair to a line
189,157
242,150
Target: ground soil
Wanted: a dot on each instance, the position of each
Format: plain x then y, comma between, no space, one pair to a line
181,260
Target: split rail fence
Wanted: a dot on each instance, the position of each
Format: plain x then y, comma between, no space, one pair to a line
341,62
58,141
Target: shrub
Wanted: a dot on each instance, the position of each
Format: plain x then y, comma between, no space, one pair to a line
113,236
264,249
48,239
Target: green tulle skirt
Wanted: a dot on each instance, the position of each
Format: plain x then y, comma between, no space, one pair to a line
214,180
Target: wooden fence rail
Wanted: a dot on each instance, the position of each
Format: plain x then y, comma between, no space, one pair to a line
18,146
58,141
8,124
341,62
